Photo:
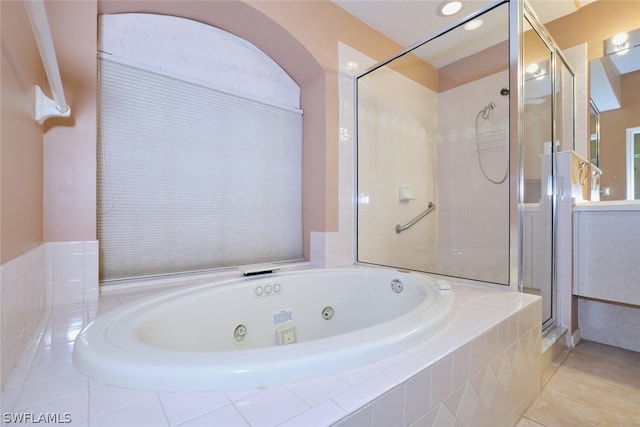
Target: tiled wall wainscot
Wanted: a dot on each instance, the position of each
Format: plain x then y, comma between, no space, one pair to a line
72,272
22,293
51,274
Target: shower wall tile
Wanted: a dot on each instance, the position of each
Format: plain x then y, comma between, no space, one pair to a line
472,212
336,249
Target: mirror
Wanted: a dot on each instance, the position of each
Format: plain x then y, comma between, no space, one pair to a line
594,26
614,80
433,155
589,28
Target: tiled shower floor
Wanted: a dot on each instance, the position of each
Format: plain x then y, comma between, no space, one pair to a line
594,385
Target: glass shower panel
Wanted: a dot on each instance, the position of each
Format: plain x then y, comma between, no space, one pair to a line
433,155
565,106
538,170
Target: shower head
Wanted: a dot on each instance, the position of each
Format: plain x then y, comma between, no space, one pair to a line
485,110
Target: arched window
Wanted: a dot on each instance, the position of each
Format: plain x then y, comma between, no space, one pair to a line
200,150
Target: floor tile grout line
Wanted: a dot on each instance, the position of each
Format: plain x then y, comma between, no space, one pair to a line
601,409
597,377
534,421
600,378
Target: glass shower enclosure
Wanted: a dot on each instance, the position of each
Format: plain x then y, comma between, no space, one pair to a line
433,155
455,165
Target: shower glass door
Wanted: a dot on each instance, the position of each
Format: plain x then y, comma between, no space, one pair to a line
433,154
540,145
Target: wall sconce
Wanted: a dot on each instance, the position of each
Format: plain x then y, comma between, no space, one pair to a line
620,43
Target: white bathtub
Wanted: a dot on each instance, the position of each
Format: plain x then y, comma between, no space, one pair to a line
226,335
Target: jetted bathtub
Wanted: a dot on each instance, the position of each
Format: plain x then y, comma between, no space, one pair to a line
263,330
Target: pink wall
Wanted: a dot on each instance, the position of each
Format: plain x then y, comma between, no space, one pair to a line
70,144
301,36
21,151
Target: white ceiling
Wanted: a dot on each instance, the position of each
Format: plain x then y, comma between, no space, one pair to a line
409,21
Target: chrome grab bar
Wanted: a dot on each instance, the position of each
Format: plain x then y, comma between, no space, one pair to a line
400,228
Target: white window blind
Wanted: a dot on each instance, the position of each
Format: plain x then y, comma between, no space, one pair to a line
191,178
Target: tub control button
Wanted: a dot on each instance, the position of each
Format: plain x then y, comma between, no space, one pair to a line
267,290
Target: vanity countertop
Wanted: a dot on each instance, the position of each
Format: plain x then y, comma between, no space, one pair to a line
609,205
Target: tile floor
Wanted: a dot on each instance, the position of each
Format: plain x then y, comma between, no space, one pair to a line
593,385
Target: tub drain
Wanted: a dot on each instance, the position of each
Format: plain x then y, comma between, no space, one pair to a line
240,334
327,313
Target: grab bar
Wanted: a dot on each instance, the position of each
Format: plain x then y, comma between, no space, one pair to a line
400,228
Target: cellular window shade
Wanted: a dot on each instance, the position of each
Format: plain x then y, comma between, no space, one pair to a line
191,178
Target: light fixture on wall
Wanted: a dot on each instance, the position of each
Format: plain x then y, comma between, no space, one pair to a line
620,43
448,8
623,50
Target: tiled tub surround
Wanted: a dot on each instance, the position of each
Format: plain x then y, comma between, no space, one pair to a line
53,273
482,369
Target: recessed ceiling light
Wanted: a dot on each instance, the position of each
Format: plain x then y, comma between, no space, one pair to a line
473,25
449,8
